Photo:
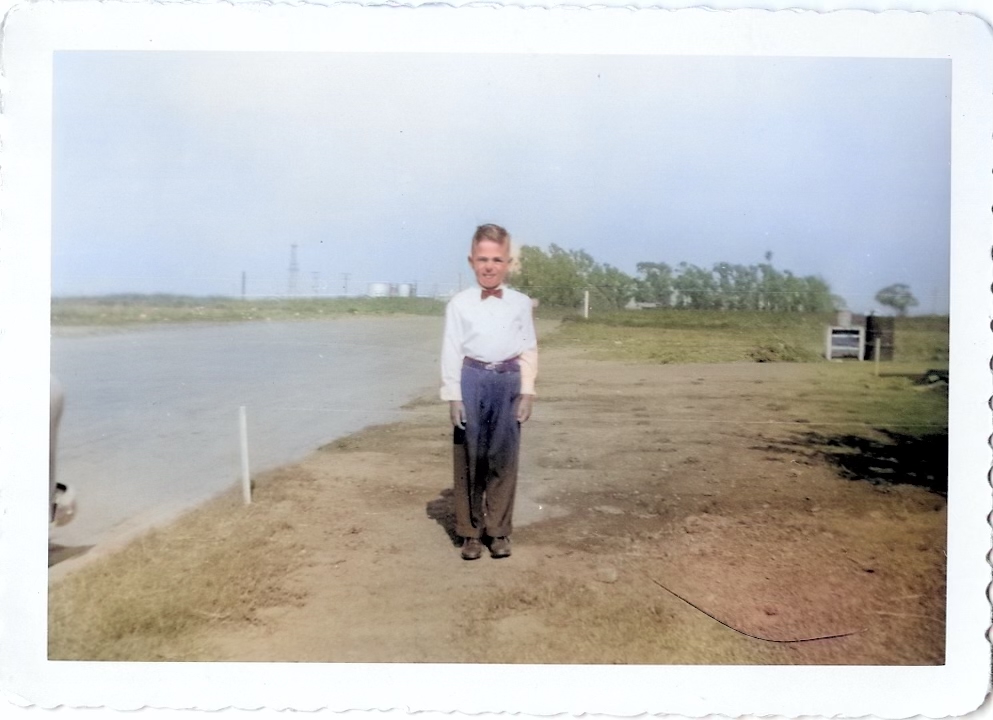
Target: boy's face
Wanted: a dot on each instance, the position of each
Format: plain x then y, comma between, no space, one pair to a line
490,261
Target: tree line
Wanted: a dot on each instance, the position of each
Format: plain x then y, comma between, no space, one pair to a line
559,277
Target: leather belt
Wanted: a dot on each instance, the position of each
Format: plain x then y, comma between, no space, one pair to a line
504,366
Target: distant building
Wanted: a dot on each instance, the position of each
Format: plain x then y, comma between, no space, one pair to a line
383,289
633,304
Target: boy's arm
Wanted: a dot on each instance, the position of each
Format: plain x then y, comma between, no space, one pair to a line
451,357
528,360
456,413
523,407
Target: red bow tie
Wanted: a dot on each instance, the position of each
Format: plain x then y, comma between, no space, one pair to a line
497,293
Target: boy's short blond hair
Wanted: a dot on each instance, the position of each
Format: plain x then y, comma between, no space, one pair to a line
493,233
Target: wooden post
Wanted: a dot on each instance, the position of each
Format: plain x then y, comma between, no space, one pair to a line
586,304
875,353
246,478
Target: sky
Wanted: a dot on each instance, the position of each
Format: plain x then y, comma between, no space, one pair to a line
176,172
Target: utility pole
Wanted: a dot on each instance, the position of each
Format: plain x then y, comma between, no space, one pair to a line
291,289
243,284
345,276
315,278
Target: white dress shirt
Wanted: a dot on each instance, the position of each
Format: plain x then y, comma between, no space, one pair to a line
490,330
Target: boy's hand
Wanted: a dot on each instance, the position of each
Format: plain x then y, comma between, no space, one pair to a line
524,405
456,411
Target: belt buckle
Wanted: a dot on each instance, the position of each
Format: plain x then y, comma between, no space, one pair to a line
491,366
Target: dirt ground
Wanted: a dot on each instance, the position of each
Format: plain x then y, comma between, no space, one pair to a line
638,483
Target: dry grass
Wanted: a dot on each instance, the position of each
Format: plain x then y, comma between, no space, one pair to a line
707,336
922,338
220,563
115,310
600,615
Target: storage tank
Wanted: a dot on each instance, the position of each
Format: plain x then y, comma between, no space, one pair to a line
405,290
379,289
883,329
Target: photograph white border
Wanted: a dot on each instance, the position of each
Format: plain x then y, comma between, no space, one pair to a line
32,32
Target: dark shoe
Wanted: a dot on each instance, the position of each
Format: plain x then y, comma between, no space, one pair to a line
500,547
472,549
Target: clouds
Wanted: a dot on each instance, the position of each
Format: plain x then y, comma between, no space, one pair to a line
381,165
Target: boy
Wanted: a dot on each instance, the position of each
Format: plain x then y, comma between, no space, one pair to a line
489,361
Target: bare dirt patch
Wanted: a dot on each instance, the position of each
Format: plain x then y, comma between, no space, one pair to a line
702,478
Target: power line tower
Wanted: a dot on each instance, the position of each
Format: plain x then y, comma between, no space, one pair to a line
291,289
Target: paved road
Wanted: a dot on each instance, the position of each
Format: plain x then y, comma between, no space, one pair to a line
151,418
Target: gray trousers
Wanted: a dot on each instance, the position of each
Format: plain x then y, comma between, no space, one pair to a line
486,453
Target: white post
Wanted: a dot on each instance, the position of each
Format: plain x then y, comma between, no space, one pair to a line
586,304
246,481
876,350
